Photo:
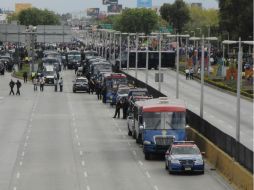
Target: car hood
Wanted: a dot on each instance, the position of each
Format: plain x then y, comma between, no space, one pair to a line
186,157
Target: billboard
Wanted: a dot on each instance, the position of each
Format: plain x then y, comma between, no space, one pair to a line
144,3
109,2
93,12
115,8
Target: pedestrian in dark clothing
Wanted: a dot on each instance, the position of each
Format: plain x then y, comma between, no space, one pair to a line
18,83
91,86
118,108
55,83
57,75
25,77
42,82
76,68
61,84
104,94
125,108
97,88
11,84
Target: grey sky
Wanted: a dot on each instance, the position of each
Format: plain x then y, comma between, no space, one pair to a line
63,6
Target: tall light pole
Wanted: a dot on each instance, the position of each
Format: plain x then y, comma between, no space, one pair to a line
202,78
136,62
239,78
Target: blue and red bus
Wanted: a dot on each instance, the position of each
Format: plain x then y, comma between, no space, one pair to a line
158,123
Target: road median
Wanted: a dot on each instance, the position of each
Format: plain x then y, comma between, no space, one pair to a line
236,174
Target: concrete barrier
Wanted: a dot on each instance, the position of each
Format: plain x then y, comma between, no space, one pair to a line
236,174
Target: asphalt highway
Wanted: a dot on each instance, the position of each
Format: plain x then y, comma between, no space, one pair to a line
65,141
219,106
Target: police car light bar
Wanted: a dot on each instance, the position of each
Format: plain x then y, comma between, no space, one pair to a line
183,142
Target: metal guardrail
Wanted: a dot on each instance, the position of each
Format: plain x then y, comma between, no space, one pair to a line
225,142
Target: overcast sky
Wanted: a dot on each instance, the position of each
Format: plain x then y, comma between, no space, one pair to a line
64,6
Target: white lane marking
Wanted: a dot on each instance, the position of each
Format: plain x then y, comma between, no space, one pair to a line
87,187
83,163
148,175
78,143
140,163
129,143
220,121
18,175
14,188
155,187
134,152
85,174
20,163
81,153
212,116
23,153
119,130
77,136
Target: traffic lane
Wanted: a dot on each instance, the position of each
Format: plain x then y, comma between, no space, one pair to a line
106,158
154,170
113,159
48,156
15,114
212,112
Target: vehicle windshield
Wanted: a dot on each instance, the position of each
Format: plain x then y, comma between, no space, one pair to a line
102,67
139,93
110,83
123,91
184,150
81,80
74,57
49,73
164,120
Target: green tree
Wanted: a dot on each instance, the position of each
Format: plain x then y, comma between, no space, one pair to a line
136,20
34,16
176,14
236,17
204,19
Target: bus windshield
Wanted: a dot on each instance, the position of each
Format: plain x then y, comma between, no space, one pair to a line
164,120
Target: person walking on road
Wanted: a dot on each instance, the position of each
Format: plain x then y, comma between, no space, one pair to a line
35,83
11,84
118,108
61,84
42,82
125,108
18,83
25,77
55,83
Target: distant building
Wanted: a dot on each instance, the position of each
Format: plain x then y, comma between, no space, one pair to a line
196,5
22,6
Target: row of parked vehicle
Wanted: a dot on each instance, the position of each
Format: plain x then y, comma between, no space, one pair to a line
158,124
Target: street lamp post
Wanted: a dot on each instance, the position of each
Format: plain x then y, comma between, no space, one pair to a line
202,78
239,78
136,62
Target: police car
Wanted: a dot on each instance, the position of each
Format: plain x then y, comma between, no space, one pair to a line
184,156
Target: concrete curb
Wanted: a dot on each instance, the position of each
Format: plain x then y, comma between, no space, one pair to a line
231,170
